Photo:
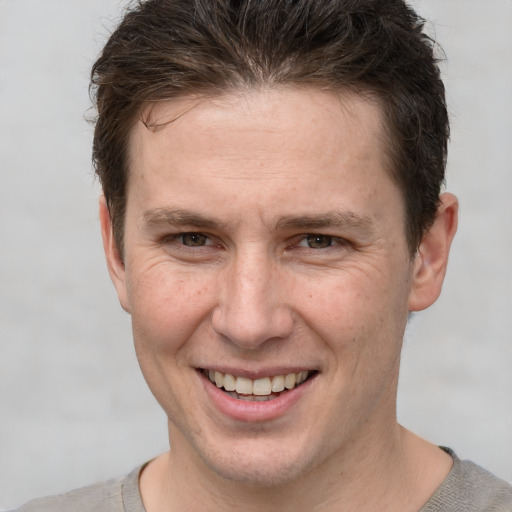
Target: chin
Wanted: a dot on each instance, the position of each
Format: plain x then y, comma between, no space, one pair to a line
259,466
252,475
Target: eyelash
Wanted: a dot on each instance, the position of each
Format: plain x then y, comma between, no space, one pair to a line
309,238
178,239
318,239
192,235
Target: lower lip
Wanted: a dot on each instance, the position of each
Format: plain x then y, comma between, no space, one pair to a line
242,410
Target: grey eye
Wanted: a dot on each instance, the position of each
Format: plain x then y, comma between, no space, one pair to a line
193,239
318,241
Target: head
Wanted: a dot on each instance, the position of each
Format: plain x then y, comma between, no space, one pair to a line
271,172
167,49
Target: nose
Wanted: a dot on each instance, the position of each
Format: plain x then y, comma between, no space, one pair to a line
252,306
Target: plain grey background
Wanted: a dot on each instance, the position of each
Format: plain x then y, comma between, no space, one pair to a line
73,406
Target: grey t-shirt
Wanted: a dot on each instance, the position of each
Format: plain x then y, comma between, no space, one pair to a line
467,488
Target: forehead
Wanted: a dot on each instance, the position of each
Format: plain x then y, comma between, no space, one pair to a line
269,108
268,141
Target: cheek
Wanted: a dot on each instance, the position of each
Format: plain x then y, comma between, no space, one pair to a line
341,300
167,307
168,310
355,313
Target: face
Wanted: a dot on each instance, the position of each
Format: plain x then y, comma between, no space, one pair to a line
268,278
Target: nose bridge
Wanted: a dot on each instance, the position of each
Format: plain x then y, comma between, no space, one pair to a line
252,305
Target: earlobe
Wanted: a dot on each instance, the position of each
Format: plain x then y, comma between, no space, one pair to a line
431,260
115,264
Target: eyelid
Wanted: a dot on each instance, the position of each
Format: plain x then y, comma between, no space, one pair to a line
336,240
208,239
297,241
175,237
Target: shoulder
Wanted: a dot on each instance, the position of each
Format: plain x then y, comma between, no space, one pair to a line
115,495
469,488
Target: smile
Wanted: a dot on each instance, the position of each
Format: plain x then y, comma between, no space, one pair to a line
266,388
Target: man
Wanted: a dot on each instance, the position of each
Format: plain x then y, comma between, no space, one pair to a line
271,215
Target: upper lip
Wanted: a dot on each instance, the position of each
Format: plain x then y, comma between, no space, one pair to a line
259,373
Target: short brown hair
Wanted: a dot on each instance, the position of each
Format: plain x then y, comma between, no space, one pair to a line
165,49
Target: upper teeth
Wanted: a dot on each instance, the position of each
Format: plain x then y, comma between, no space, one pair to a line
260,387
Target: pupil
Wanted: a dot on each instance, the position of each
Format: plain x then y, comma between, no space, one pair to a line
319,241
194,239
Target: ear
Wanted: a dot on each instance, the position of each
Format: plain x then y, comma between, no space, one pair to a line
431,260
115,263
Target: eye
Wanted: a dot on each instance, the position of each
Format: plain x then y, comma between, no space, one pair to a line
317,241
193,239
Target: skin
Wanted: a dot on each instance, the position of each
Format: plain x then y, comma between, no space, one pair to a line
254,175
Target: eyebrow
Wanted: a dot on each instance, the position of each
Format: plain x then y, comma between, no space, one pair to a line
179,217
329,220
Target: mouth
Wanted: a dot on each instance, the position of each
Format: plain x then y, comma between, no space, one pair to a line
257,390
